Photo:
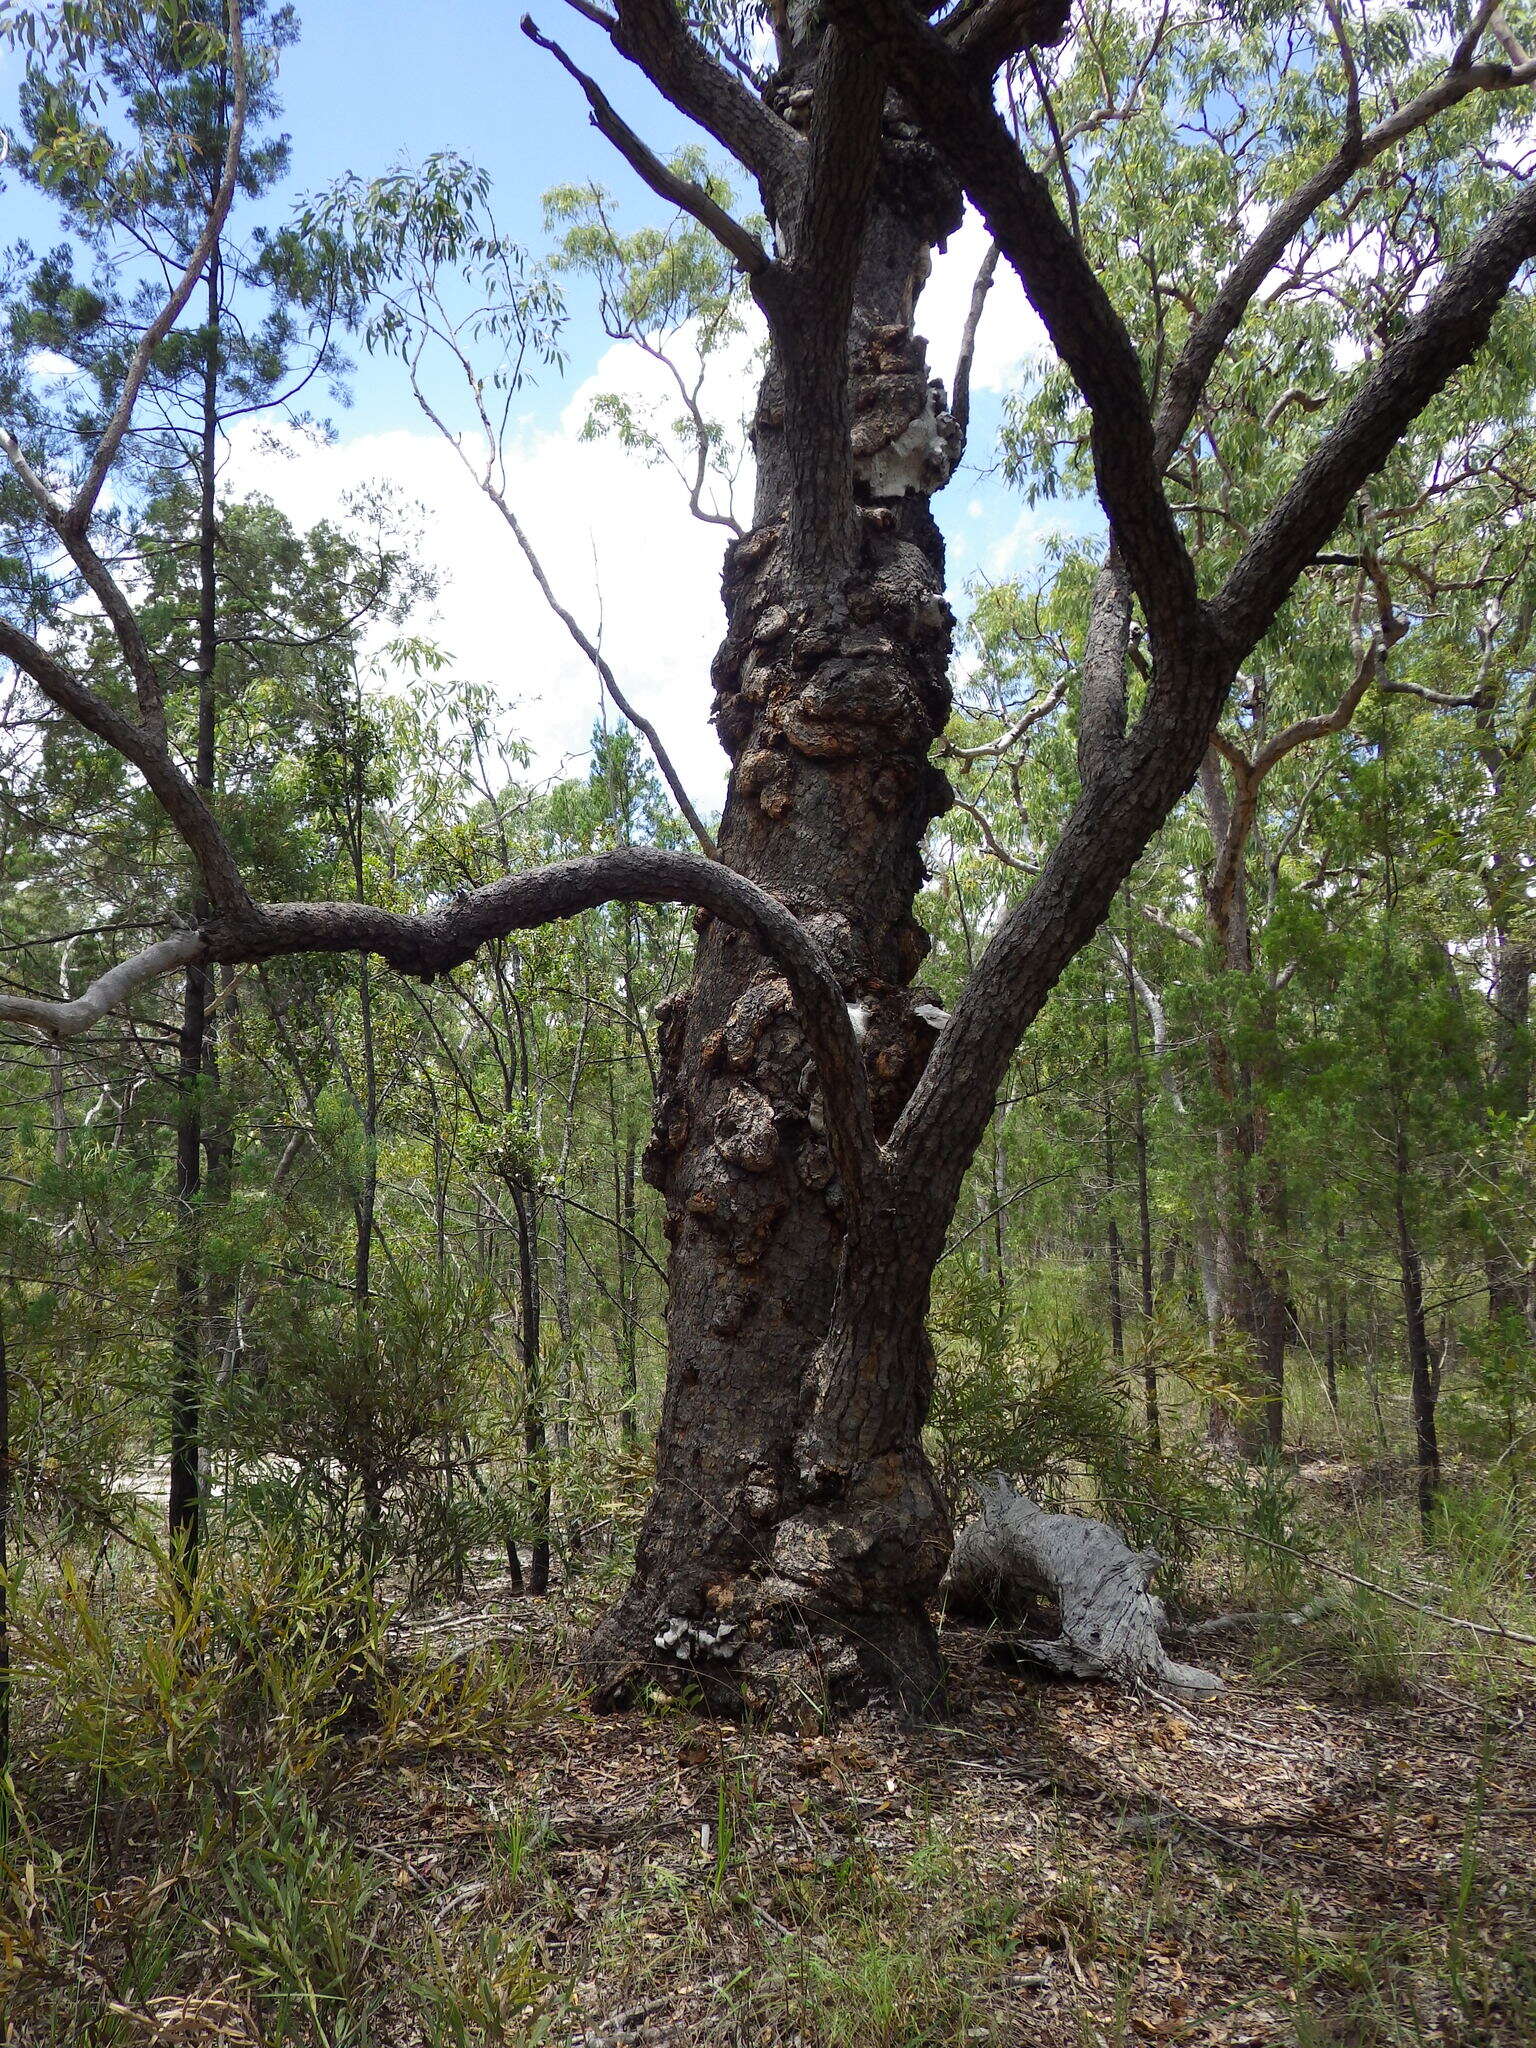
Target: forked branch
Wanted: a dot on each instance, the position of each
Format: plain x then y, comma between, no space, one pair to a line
668,184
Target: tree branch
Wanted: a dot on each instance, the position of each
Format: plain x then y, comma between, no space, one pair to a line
436,942
993,844
1101,699
1211,332
1031,717
989,32
810,305
960,395
1412,371
651,34
610,682
678,191
1302,730
78,517
1438,697
62,1020
182,803
99,580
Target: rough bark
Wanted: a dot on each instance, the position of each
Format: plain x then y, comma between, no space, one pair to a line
827,701
1110,1622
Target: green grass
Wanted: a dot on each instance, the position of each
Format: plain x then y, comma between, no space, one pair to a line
247,1813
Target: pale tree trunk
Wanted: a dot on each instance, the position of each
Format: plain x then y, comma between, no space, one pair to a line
1112,1227
1143,1193
525,1203
1250,1214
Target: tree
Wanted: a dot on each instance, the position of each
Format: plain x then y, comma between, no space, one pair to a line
812,1135
138,148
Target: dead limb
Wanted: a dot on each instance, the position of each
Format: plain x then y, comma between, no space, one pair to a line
1110,1622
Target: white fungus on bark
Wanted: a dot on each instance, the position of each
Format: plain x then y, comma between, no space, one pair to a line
690,1641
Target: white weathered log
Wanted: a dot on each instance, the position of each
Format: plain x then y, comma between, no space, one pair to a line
1110,1622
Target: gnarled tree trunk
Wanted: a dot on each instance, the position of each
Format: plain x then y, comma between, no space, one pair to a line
796,1532
827,700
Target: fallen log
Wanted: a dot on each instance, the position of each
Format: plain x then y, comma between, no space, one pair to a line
1111,1623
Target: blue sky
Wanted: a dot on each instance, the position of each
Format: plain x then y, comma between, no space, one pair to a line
368,85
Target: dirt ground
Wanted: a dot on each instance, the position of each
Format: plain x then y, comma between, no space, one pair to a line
1052,1864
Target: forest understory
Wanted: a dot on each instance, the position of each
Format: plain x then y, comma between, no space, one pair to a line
402,1824
523,1220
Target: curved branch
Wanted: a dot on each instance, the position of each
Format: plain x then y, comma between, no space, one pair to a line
1041,708
678,191
436,942
652,35
61,1020
181,802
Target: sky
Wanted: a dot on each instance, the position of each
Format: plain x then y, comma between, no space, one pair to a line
369,85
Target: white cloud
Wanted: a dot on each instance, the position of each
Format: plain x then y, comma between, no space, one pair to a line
49,365
616,538
617,542
1010,334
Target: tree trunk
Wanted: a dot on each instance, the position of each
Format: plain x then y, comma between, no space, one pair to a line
1251,1216
535,1428
1330,1348
5,1566
1509,1098
827,700
190,1308
185,1509
1112,1228
1111,1624
627,1332
1423,1375
1143,1196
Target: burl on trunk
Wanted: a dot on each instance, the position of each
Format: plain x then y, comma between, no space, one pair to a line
796,1534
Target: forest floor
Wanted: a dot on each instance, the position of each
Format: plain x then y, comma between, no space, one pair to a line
1302,1860
1052,1864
